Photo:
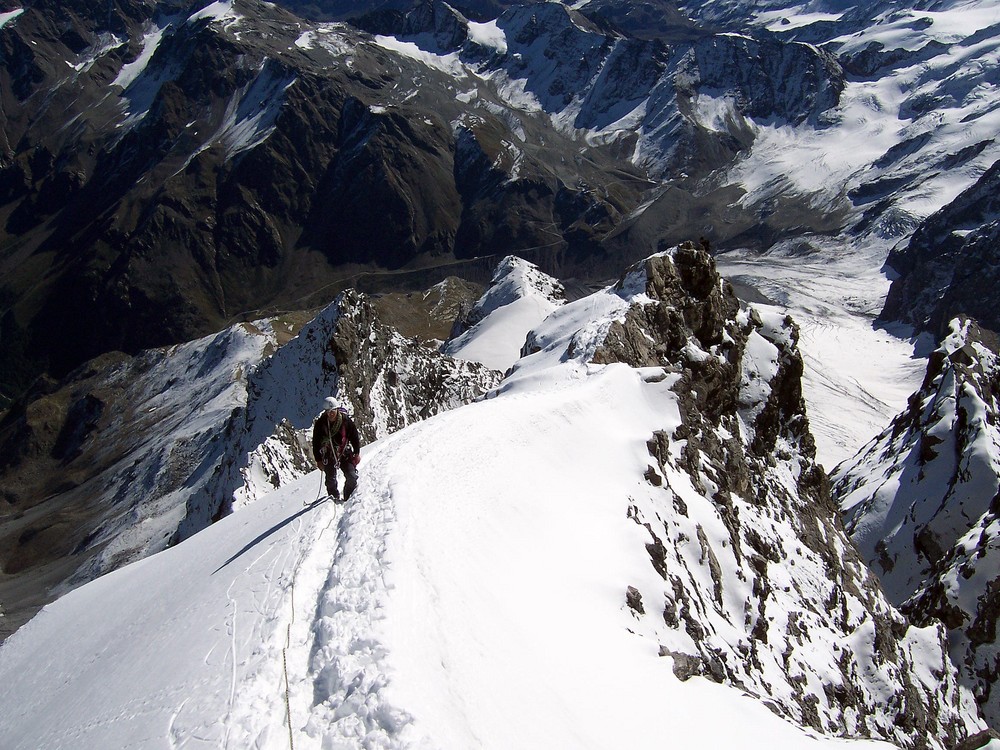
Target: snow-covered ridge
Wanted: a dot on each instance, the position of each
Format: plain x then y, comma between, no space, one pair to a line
932,471
921,502
520,297
741,529
385,380
595,504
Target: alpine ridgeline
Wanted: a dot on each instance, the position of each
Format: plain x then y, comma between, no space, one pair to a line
385,380
759,586
519,297
922,503
130,453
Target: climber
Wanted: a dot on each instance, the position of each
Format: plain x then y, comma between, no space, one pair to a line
336,445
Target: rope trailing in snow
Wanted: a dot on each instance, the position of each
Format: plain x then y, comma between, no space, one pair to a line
284,666
288,637
288,704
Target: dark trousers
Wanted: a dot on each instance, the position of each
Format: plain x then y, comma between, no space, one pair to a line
350,478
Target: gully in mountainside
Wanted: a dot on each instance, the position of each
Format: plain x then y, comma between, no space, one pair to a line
336,444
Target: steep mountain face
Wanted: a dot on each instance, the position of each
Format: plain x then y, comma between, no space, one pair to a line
921,503
759,585
130,453
96,469
949,267
235,157
385,380
178,167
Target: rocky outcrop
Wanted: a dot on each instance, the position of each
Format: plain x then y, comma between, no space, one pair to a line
762,588
921,503
385,380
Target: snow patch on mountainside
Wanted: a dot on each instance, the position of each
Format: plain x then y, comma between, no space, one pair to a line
220,10
150,42
488,35
251,113
328,37
10,16
449,63
786,19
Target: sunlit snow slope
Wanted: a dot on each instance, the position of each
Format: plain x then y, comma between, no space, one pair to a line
470,595
483,587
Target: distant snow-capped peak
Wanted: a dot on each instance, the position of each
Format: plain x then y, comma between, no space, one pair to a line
520,297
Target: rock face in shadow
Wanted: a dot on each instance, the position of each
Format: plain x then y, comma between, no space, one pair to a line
761,587
922,503
950,265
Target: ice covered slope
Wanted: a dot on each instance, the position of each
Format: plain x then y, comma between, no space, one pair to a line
562,564
911,493
921,502
96,471
519,298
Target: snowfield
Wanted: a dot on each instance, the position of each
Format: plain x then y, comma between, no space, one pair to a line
471,595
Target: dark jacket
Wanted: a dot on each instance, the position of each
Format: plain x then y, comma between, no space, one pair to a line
336,439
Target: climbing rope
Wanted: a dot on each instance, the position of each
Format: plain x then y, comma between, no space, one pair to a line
284,665
288,638
284,662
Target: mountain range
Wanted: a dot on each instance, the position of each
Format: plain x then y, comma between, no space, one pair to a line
668,329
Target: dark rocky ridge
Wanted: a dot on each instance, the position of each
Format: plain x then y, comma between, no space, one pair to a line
951,265
776,537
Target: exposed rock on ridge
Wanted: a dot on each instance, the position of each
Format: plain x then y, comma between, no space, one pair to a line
385,380
756,597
